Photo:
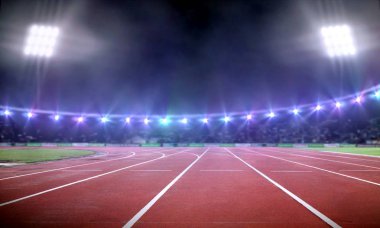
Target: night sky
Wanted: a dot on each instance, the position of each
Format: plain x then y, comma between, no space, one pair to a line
184,57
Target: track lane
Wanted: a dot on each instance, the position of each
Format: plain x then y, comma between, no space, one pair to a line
358,157
228,194
323,155
344,200
40,167
15,188
107,201
330,164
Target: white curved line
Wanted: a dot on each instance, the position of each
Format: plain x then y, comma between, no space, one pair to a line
67,167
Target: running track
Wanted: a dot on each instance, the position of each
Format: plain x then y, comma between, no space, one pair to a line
194,187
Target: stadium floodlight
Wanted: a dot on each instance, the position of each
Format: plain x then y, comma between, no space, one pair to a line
30,114
41,41
205,120
164,121
271,115
146,121
248,117
338,40
104,119
7,113
80,119
227,119
128,120
296,111
358,99
338,104
377,94
184,120
318,108
56,117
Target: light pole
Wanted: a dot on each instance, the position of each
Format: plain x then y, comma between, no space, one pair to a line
40,43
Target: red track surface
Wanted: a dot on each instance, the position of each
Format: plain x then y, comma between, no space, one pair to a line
189,187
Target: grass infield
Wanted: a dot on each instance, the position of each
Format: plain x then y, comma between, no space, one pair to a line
38,155
374,151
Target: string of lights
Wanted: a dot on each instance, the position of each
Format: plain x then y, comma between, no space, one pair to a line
339,104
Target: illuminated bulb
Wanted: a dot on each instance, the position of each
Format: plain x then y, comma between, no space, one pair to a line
358,100
184,121
318,108
226,119
271,115
7,113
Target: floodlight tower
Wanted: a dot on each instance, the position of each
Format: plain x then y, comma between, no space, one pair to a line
40,43
338,41
340,45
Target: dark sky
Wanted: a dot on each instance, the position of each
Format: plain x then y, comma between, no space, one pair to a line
180,57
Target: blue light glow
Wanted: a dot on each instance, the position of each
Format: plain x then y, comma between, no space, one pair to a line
205,120
56,117
271,115
318,108
296,111
358,100
164,121
7,112
377,94
30,114
248,117
184,121
227,119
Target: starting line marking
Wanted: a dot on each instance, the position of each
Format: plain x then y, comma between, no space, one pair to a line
299,200
221,170
82,170
160,194
290,171
359,170
150,170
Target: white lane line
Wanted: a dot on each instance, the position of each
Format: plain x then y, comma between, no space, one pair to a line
359,170
150,170
160,194
296,198
82,170
82,180
325,170
323,153
290,171
67,167
344,153
323,159
221,170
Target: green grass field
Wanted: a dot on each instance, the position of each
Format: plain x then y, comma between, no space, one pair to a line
38,155
354,150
